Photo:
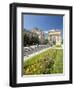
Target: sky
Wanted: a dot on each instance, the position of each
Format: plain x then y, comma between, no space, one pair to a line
43,22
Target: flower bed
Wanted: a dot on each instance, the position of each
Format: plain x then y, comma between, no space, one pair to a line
48,62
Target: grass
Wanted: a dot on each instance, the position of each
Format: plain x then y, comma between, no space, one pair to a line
47,62
58,63
57,46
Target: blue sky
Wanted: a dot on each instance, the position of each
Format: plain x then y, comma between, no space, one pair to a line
43,22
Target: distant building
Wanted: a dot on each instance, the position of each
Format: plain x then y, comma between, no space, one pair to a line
54,37
40,34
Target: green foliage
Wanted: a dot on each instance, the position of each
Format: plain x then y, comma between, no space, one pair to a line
48,62
26,39
62,41
30,39
46,41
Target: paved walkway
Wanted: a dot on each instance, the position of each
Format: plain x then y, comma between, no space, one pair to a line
33,49
36,53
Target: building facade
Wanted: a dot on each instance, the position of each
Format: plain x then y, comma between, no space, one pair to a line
54,37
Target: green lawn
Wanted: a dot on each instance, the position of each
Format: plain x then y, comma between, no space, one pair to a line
47,62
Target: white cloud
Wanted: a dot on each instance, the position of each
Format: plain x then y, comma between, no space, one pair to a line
45,31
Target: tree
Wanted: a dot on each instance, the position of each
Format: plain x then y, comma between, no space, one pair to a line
30,38
46,41
26,39
62,41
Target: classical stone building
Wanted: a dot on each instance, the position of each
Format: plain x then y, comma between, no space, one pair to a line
40,34
54,37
